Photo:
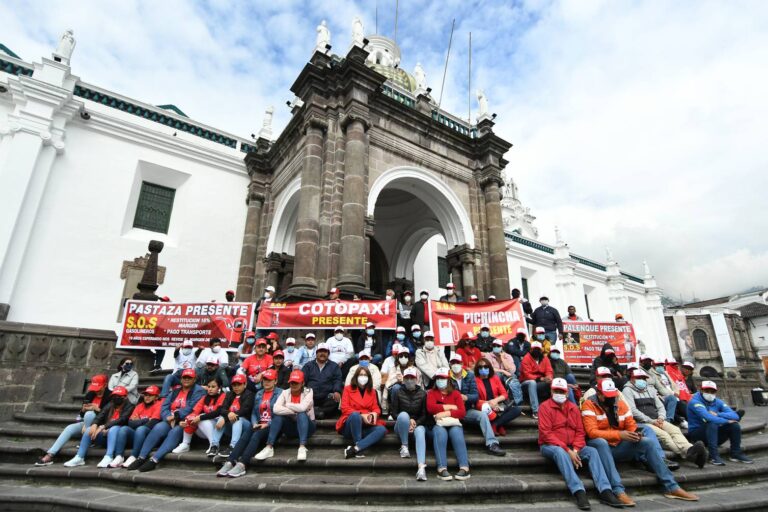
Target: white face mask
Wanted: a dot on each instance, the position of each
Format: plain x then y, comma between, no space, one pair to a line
339,336
362,380
456,368
267,295
429,344
424,296
186,351
559,399
390,297
403,360
407,299
544,302
709,397
450,292
215,349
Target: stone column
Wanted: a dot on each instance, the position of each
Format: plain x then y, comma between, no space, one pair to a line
369,224
246,274
468,276
497,249
308,223
353,255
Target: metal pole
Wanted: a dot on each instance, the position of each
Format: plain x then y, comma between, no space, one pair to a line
445,71
469,83
397,8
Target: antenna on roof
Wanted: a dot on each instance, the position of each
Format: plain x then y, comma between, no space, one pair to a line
469,82
445,71
397,8
377,16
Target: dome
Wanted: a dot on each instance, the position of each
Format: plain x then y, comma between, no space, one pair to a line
384,57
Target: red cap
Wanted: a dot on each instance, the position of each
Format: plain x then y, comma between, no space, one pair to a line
229,292
238,379
250,334
619,316
261,341
119,391
273,336
608,388
165,299
152,390
333,290
296,376
269,374
188,372
450,286
278,353
97,383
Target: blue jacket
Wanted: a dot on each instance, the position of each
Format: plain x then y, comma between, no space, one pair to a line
255,415
468,387
194,395
700,412
324,382
408,342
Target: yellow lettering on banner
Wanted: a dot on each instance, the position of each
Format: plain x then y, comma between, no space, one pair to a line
445,306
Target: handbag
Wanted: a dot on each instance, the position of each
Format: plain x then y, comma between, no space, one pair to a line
448,421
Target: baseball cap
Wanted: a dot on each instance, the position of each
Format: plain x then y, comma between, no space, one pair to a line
188,372
708,384
333,290
278,353
272,336
309,335
610,351
450,286
229,292
415,327
554,348
322,346
485,326
638,373
213,360
238,379
296,376
411,372
403,350
120,391
522,330
370,324
560,384
442,372
429,334
187,344
645,357
400,328
608,388
498,342
338,328
152,390
364,353
97,383
261,341
269,374
270,289
455,357
602,370
689,364
290,341
539,330
535,344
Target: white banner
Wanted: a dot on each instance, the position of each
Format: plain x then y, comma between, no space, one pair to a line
724,340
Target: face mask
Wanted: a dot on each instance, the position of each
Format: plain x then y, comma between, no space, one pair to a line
410,384
390,297
127,367
484,372
424,296
266,295
290,348
403,360
369,332
559,399
647,366
554,356
400,337
660,369
407,299
709,397
118,400
338,336
441,383
540,337
536,352
186,351
641,384
520,338
215,349
497,350
364,363
250,341
450,292
610,402
416,334
429,345
456,368
544,302
484,334
362,380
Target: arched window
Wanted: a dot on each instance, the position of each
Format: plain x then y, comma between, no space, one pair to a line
700,340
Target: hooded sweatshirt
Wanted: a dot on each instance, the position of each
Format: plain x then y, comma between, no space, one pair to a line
604,360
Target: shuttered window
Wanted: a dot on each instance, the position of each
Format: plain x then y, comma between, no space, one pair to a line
153,212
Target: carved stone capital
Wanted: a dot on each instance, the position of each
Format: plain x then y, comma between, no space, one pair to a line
256,192
315,122
350,117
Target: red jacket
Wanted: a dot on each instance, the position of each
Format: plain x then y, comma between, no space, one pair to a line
353,401
469,357
253,365
144,412
436,399
561,425
531,370
676,376
496,386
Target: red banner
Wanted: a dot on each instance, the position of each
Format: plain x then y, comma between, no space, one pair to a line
327,314
583,341
168,324
451,320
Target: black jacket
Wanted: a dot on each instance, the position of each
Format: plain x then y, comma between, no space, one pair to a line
602,360
104,417
359,343
204,377
484,344
283,374
447,298
246,404
413,402
90,395
559,367
548,318
418,314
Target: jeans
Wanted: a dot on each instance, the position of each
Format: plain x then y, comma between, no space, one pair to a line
136,437
536,391
609,464
363,437
235,430
440,437
74,429
112,435
292,426
402,425
589,455
248,445
172,440
162,432
647,449
475,417
551,336
570,379
508,416
670,404
86,441
714,435
650,434
515,390
170,380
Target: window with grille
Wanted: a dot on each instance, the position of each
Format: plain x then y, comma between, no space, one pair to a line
700,340
153,212
524,284
443,275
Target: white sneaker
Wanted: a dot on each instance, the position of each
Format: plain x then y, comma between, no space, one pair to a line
684,424
182,448
421,475
104,462
130,460
117,462
266,453
302,455
404,453
74,462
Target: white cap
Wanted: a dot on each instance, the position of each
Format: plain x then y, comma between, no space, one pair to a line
415,327
309,335
364,353
187,344
608,388
497,341
400,328
485,326
638,373
396,347
290,341
491,297
522,330
322,346
212,360
689,364
270,289
338,328
370,324
603,370
454,357
708,384
535,344
442,372
559,383
429,334
539,330
473,297
450,286
411,371
403,350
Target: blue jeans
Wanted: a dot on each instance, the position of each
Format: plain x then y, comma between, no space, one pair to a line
402,426
440,437
515,390
363,437
649,433
170,380
475,417
646,449
570,379
235,430
291,426
609,464
714,435
563,460
172,440
86,441
670,404
508,416
74,429
534,390
136,437
551,336
248,444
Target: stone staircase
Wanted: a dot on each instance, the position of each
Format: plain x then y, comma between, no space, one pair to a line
382,480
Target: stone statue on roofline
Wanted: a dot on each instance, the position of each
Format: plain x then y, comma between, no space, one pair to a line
357,32
66,46
421,79
323,37
482,101
266,127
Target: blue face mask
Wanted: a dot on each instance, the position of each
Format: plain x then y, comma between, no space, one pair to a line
250,341
416,334
484,334
554,355
641,384
540,337
364,363
497,350
484,372
441,383
400,337
369,332
290,348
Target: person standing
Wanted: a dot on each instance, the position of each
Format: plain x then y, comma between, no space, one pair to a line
572,316
548,318
420,310
450,294
527,308
404,311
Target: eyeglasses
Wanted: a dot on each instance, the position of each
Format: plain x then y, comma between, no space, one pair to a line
482,367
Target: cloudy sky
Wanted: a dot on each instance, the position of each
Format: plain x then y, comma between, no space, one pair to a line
640,126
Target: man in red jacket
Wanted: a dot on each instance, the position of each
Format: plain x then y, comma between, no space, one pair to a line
561,438
535,376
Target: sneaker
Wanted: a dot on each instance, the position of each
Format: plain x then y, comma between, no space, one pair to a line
301,455
266,453
625,499
681,494
148,465
608,498
136,464
684,424
225,452
697,454
582,502
45,460
535,416
116,462
237,471
349,452
212,450
463,474
74,462
717,461
182,448
155,369
671,465
444,475
421,474
740,457
226,468
129,461
404,453
104,462
495,449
